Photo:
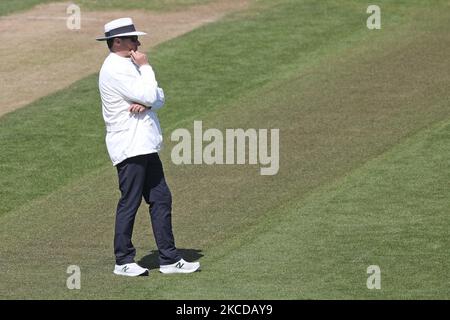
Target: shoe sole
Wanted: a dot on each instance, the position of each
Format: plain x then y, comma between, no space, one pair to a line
145,273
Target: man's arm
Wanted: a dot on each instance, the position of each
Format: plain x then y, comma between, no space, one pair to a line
137,108
142,90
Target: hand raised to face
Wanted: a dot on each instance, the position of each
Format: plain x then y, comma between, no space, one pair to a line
138,58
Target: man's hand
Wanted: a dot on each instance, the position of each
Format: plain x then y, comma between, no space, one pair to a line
136,108
138,58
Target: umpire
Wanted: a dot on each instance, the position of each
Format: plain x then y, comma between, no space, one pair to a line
130,97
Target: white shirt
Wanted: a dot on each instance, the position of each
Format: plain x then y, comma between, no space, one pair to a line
122,83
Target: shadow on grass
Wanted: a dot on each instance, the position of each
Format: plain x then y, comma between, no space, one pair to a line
151,261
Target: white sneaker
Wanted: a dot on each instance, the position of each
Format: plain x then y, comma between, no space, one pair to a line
181,266
130,270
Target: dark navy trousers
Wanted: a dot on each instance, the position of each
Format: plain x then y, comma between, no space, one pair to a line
143,176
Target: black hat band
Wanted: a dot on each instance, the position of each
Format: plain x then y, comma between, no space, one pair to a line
120,30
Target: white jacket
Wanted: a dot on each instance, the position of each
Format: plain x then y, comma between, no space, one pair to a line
122,83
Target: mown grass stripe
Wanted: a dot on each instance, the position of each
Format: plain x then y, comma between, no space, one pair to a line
391,212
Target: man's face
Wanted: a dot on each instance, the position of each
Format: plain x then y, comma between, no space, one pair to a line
129,43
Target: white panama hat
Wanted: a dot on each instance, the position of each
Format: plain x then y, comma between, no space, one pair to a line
122,27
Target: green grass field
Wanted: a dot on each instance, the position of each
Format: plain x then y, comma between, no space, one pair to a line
364,123
13,6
